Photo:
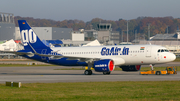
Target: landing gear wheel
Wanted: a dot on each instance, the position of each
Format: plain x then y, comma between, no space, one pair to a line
88,72
106,73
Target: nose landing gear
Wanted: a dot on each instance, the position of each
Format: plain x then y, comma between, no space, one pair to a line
151,65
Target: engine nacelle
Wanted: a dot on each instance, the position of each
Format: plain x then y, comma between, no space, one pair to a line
105,65
131,68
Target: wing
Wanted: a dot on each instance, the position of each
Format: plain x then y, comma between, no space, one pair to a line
80,58
117,60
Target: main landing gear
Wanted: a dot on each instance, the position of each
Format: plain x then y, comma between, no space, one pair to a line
106,73
88,71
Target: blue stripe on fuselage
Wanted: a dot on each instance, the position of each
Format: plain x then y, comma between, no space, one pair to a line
62,61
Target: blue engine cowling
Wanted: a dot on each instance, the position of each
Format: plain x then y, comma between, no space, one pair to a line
105,65
131,68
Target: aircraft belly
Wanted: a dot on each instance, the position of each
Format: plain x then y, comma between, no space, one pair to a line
65,62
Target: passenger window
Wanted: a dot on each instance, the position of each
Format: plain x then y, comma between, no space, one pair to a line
162,50
159,50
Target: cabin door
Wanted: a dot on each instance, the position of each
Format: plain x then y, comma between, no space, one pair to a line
148,51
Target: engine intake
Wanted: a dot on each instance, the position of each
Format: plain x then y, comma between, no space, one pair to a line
131,68
105,65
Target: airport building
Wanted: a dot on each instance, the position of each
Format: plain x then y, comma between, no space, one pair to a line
170,41
167,37
7,26
49,33
77,39
104,32
91,34
106,35
115,37
69,37
78,35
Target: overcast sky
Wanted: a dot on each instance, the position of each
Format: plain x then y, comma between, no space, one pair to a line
86,10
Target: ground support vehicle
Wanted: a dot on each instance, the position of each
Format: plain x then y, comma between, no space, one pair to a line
169,70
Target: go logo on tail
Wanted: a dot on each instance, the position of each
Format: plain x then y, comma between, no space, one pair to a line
28,36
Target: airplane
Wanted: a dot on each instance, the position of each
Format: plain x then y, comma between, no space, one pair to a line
101,58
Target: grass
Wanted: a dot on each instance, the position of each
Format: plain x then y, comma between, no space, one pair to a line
177,60
94,91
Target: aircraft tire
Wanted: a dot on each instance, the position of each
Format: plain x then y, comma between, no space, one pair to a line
88,72
106,73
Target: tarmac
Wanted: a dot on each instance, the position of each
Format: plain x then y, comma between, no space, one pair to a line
51,74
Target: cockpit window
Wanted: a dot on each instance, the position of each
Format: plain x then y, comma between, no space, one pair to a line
166,50
163,50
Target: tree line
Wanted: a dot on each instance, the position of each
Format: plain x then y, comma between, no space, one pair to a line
158,25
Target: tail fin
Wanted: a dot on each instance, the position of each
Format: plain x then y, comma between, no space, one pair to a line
30,40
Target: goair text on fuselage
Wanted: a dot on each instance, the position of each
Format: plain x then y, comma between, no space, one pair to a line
114,51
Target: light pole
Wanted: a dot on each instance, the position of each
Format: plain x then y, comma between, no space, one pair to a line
149,31
167,29
135,35
122,35
127,31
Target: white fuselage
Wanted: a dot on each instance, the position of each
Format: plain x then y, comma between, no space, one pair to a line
121,54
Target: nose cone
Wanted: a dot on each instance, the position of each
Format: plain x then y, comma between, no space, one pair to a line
173,57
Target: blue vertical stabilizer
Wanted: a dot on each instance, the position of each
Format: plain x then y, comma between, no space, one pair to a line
29,38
